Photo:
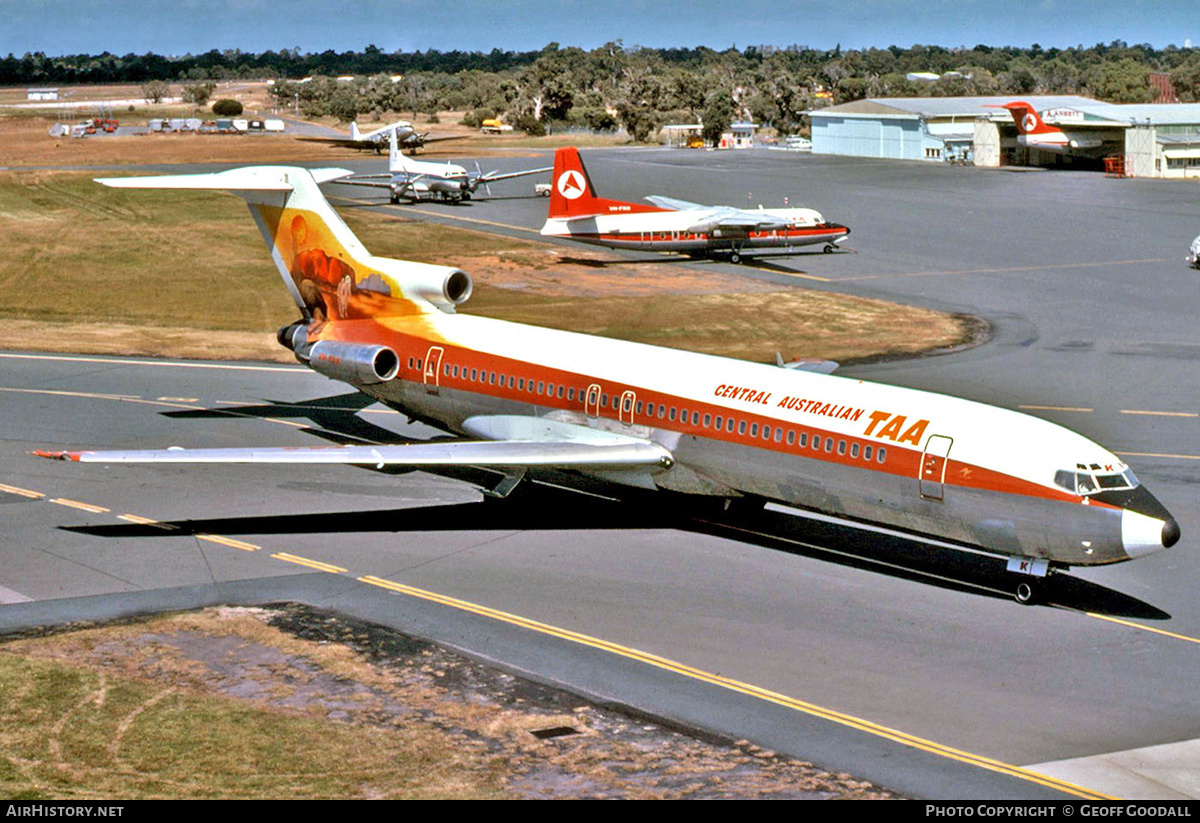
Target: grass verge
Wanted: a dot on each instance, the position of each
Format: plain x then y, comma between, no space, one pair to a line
93,269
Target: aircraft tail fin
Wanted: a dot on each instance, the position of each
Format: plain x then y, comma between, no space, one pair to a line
355,134
327,270
1027,119
573,195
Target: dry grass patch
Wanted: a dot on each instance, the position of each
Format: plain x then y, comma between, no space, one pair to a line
291,702
124,712
93,269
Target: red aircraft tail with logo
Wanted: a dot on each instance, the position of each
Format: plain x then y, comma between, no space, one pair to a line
572,193
1027,120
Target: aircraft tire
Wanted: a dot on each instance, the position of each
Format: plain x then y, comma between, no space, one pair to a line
829,248
1026,594
735,258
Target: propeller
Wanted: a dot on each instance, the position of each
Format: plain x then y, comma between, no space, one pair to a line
483,178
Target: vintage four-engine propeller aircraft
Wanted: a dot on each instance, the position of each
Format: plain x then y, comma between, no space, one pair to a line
377,140
414,180
525,399
577,213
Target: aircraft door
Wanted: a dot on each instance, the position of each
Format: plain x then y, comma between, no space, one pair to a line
626,410
933,466
433,369
591,401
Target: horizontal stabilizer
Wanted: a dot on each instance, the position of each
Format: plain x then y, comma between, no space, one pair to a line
251,178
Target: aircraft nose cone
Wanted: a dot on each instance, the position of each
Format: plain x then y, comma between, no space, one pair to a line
1143,534
1170,533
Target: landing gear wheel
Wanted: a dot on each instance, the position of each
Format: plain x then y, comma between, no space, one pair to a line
1026,594
393,199
735,258
829,247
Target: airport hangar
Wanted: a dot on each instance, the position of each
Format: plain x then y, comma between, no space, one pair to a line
1156,140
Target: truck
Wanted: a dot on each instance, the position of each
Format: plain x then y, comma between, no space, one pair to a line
495,127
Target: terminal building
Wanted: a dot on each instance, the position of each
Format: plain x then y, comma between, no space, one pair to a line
1157,140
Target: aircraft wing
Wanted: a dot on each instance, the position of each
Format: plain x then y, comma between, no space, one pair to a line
735,221
346,142
382,181
492,177
673,204
530,442
811,364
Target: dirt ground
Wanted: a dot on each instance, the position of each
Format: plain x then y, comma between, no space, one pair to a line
546,743
25,140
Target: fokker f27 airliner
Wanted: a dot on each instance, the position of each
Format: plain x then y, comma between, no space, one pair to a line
525,399
576,213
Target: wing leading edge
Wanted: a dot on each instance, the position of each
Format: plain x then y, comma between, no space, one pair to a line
534,443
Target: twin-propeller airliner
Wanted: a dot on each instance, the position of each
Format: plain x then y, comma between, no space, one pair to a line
668,224
524,399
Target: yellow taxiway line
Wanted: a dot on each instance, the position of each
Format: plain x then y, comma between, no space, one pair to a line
740,687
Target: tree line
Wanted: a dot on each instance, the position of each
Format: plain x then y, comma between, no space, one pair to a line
635,88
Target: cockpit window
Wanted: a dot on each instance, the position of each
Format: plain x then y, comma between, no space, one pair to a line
1092,479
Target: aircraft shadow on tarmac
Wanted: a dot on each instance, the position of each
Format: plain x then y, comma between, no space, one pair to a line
534,507
540,507
752,262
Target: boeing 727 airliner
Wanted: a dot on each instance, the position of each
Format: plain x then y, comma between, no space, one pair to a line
525,399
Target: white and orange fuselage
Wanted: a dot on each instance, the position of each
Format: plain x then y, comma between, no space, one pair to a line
529,399
917,461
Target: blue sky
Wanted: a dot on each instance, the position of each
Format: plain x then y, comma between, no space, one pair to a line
194,26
